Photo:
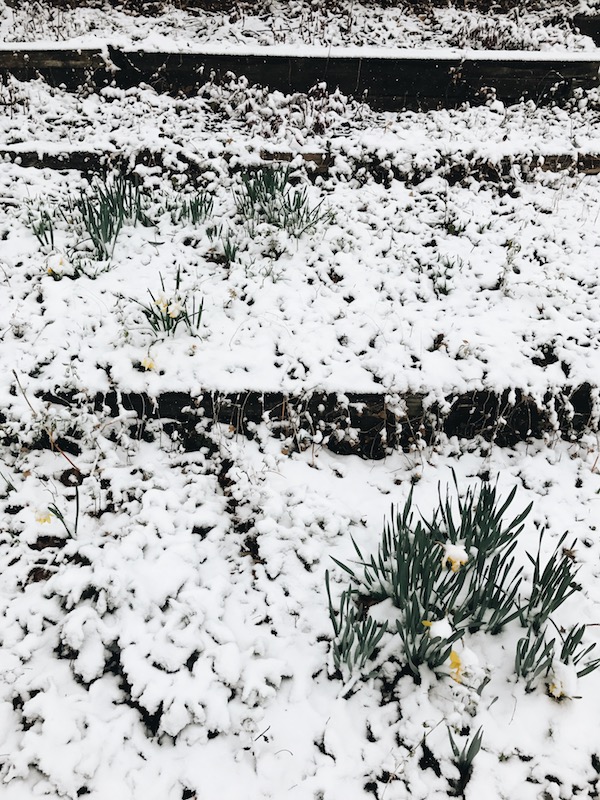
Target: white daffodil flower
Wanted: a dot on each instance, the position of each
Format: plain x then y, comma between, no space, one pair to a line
161,303
175,309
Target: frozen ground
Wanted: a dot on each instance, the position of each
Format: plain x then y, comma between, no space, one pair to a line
431,288
177,645
547,27
165,621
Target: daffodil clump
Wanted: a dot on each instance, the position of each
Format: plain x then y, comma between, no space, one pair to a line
165,313
172,307
454,575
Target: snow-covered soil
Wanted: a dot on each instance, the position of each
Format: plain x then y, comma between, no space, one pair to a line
166,630
172,638
233,119
547,27
431,288
176,643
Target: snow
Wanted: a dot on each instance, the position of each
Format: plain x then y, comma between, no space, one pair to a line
441,628
259,638
405,289
179,644
155,44
346,23
563,681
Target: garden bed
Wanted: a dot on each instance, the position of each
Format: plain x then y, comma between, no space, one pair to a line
211,305
244,124
406,286
178,600
479,26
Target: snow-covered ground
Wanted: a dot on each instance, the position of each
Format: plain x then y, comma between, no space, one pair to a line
178,644
546,27
166,630
428,288
233,119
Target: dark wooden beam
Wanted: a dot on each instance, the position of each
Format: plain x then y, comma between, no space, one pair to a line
385,82
588,25
358,424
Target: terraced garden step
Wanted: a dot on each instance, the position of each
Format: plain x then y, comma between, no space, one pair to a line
317,163
386,79
364,424
368,425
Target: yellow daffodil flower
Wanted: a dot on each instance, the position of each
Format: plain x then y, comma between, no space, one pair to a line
456,667
147,363
455,555
43,516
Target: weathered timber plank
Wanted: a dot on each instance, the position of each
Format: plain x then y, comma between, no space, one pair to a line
39,58
58,66
87,161
384,81
589,25
589,164
368,425
535,80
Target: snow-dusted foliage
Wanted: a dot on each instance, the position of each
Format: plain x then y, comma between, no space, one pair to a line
179,642
165,616
433,288
543,26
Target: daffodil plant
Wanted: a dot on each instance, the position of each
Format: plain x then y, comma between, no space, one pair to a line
165,313
463,760
266,195
455,574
